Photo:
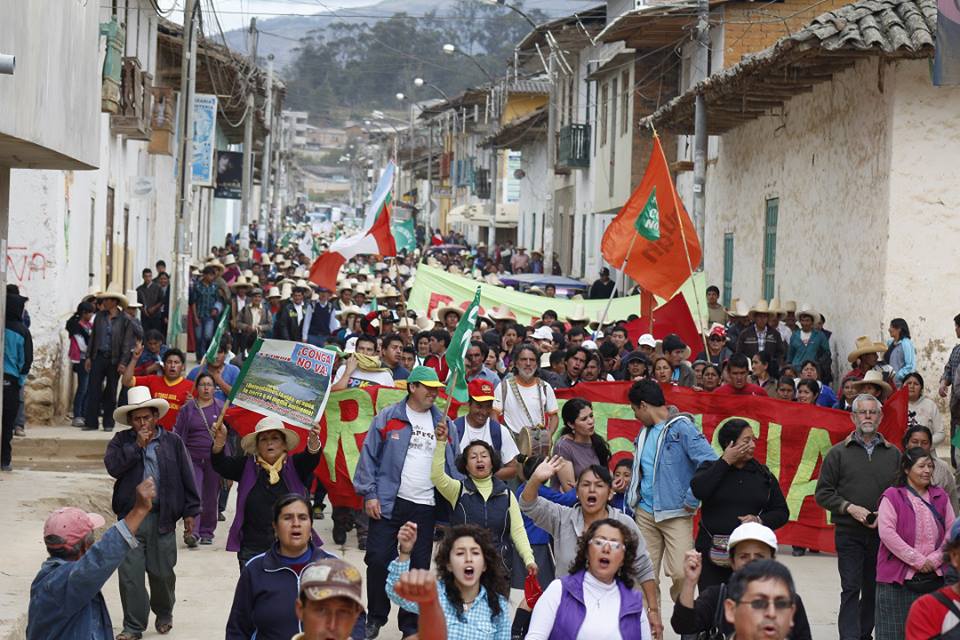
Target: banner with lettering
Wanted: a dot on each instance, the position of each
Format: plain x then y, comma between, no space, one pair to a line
288,380
792,439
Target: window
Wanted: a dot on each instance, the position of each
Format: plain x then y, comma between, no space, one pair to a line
727,268
625,91
613,113
770,247
604,91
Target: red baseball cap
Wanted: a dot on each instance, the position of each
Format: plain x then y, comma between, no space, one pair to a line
71,524
480,390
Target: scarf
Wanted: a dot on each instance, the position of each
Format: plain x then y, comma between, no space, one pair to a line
272,469
369,363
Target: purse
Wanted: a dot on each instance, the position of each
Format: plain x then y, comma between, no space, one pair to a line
924,583
715,632
720,550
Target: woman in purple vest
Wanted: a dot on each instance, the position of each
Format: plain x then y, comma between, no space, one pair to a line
596,601
264,473
913,519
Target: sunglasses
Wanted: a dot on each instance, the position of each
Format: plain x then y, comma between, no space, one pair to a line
762,604
600,543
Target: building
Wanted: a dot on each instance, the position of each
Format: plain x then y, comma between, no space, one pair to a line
839,168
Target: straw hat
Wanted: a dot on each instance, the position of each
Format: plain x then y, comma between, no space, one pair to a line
132,302
876,378
760,307
424,323
265,259
775,308
229,260
349,310
535,290
139,398
215,263
501,313
864,345
114,294
406,323
808,310
735,308
273,293
448,308
249,442
579,314
790,306
492,278
241,282
286,291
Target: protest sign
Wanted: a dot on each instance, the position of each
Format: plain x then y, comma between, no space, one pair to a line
435,288
289,380
792,439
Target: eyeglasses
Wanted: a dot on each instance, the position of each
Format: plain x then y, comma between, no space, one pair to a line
868,412
600,543
762,604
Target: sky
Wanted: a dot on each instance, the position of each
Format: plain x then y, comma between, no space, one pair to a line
235,14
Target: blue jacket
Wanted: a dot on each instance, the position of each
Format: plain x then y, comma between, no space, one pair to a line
384,453
18,349
681,448
816,349
264,597
535,534
65,598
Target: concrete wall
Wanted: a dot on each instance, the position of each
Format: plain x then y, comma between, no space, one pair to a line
827,159
49,106
533,195
924,197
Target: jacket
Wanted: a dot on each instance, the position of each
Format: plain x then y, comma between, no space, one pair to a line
681,449
573,610
263,600
122,338
65,598
18,352
565,525
849,476
177,495
686,621
285,324
817,349
384,453
747,344
892,567
245,320
687,377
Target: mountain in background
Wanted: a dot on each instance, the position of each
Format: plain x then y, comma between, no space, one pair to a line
281,35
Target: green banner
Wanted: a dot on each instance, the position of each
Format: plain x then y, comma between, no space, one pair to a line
457,351
435,288
211,354
405,234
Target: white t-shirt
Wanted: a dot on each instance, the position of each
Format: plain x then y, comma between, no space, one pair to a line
508,448
415,484
360,378
602,621
540,403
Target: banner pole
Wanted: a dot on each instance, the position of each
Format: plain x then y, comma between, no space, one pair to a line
623,283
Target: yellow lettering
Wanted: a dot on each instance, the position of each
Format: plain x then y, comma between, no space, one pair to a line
803,484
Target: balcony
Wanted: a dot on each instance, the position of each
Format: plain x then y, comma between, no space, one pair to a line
161,121
133,116
573,150
481,184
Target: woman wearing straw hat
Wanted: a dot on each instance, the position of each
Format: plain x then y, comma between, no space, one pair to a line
864,357
265,472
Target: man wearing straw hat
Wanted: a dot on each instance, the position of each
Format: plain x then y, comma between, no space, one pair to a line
111,344
133,455
207,302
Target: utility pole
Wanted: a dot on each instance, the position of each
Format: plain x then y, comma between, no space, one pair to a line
549,218
267,145
494,172
247,176
428,216
278,178
701,61
180,284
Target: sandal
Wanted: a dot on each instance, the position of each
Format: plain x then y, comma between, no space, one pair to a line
190,540
128,635
164,628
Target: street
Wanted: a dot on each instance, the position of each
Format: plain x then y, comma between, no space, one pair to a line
206,576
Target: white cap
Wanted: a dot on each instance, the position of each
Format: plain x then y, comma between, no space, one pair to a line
351,346
589,345
753,531
543,333
647,340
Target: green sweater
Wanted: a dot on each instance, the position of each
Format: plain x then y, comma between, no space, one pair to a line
850,476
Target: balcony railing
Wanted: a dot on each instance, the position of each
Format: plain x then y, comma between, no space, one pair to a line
136,98
481,184
573,150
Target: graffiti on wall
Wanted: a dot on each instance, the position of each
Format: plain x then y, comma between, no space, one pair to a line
26,265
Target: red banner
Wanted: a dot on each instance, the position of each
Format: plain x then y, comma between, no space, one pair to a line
792,439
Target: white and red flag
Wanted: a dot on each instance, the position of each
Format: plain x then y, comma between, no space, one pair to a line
374,239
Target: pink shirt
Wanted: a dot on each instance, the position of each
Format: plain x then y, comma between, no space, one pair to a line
927,534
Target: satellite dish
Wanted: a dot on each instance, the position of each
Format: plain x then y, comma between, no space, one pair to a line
519,174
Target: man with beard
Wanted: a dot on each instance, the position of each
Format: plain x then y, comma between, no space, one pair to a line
522,399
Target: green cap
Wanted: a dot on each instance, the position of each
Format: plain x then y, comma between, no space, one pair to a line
425,376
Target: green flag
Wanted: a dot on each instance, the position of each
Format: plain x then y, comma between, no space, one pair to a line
457,351
648,222
211,354
405,234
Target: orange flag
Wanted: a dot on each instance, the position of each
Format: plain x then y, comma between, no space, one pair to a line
649,233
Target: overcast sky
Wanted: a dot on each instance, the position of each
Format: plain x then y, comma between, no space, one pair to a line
235,14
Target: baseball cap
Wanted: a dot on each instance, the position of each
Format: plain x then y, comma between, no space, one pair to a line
71,524
480,390
647,340
424,375
331,578
543,333
718,330
753,531
589,345
673,342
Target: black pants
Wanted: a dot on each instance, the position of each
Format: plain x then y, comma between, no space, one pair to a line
857,563
11,406
382,549
712,575
101,391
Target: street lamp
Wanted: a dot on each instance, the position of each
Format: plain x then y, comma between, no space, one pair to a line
518,11
420,82
450,50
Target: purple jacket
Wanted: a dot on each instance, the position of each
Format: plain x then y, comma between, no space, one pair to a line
572,610
890,568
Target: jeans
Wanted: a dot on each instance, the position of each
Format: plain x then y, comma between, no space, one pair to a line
101,391
382,549
80,397
857,564
155,556
11,405
202,335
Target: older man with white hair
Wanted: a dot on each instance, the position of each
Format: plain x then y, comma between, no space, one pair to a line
854,474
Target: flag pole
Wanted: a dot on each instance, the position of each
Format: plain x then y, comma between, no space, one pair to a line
683,238
623,283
